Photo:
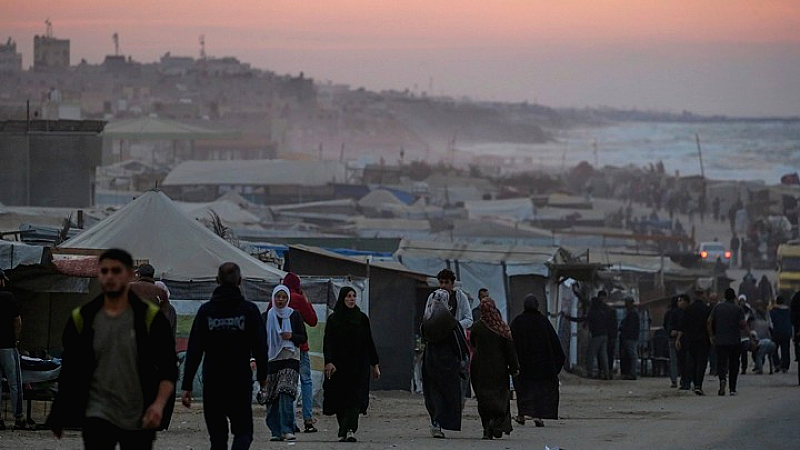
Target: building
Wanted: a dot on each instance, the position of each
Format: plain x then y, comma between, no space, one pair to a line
49,163
10,60
50,53
262,181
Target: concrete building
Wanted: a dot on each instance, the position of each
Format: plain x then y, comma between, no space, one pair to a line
10,60
49,163
50,53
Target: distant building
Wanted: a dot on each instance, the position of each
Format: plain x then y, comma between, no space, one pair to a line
175,65
10,60
270,182
226,66
50,53
49,163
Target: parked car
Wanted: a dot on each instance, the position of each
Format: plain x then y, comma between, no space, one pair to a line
710,252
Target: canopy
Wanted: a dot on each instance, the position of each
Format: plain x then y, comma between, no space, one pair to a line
153,228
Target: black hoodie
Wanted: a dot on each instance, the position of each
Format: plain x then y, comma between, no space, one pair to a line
229,330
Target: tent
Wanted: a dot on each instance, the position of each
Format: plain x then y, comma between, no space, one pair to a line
153,228
508,271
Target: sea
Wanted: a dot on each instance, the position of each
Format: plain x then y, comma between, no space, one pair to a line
761,151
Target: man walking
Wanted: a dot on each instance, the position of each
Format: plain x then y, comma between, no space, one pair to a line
629,336
228,329
10,330
694,334
146,288
459,303
119,366
724,326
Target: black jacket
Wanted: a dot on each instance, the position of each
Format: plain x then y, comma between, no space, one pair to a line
156,355
229,330
630,326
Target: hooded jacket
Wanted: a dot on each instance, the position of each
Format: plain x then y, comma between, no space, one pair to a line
228,329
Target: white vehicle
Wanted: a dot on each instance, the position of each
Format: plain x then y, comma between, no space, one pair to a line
710,252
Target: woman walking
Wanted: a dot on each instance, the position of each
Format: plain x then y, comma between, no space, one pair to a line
541,359
285,333
444,364
350,356
493,360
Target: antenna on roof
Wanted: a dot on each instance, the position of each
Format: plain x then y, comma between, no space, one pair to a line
49,30
115,37
202,46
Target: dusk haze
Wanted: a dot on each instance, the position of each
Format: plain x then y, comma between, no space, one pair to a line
735,57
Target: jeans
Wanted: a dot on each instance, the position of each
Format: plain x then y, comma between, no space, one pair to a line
219,406
99,434
728,364
673,362
9,367
598,349
631,356
306,388
280,416
611,347
765,349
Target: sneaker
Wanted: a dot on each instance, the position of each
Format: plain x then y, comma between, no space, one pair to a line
734,394
721,391
309,426
351,436
289,437
436,432
21,424
673,385
276,438
342,438
699,391
684,388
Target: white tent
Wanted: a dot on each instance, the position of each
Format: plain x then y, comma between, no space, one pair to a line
478,266
152,227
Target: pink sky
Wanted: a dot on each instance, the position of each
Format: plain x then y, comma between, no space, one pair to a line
709,56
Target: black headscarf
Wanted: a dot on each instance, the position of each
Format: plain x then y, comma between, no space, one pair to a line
531,303
351,316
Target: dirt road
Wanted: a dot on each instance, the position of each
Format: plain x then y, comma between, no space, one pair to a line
641,414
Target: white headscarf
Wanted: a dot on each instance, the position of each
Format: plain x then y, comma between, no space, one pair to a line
274,328
439,299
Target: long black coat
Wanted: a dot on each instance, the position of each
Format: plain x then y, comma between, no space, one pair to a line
351,349
538,347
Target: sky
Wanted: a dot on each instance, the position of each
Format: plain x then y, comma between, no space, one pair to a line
731,57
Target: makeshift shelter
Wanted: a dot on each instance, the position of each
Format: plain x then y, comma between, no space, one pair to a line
509,271
184,253
396,299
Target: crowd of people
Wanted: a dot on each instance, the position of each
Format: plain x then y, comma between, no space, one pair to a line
728,336
119,373
463,347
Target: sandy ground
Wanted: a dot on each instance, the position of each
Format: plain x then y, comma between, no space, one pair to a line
616,414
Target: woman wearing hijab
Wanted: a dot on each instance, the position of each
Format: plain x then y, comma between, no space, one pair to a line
350,356
541,359
285,333
493,360
444,364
